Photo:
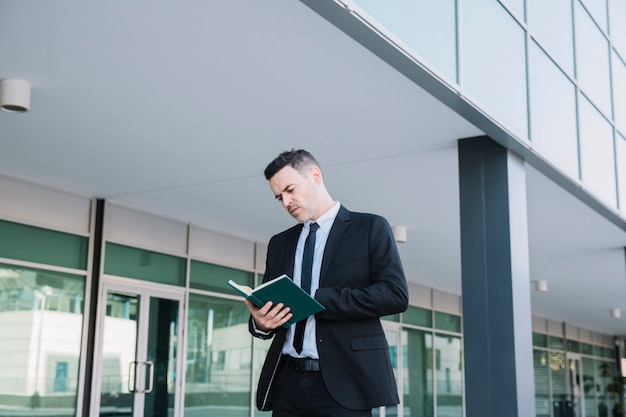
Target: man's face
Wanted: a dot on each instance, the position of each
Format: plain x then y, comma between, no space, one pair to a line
296,192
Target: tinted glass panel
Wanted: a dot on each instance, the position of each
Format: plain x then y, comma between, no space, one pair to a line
219,358
417,361
418,316
449,376
553,113
597,153
146,265
573,346
41,319
428,27
494,66
557,377
542,383
589,387
540,340
555,342
450,322
34,244
212,277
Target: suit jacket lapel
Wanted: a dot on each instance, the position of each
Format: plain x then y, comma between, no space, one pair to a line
336,233
292,243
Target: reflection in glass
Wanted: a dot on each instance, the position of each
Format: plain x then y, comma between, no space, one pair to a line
542,383
592,61
449,375
219,357
428,27
417,363
392,340
119,348
42,311
160,367
557,378
597,153
551,25
589,387
494,67
605,370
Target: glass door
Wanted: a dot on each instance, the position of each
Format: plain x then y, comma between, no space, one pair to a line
137,358
574,385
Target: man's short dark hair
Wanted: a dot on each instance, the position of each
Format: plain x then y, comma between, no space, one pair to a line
296,158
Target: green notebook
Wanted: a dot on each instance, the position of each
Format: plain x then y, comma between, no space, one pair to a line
281,290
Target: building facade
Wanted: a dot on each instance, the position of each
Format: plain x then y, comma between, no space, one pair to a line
109,310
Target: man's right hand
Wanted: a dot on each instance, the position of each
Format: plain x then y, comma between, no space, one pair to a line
269,317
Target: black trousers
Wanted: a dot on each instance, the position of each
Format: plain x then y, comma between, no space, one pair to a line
304,394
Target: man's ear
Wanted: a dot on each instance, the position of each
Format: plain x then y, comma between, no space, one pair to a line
316,175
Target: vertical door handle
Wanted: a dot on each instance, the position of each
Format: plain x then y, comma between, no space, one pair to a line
132,376
150,370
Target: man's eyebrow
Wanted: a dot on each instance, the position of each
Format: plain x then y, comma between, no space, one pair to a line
279,195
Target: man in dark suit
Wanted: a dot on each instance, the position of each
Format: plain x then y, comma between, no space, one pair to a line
335,363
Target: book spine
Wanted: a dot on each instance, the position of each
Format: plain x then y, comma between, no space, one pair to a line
255,301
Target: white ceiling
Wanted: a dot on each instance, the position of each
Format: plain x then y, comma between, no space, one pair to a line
176,108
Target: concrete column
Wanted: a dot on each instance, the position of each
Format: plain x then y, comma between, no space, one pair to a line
497,328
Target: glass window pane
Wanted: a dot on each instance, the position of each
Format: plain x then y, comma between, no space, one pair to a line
605,370
552,113
586,348
596,153
428,27
212,277
494,66
34,244
42,311
219,358
555,342
516,7
557,377
617,17
450,322
592,61
589,387
542,383
417,362
573,346
540,340
597,9
126,261
620,147
449,376
418,316
619,89
550,22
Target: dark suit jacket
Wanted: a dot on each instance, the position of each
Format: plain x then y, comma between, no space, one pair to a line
361,279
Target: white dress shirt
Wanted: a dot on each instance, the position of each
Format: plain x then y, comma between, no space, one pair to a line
325,222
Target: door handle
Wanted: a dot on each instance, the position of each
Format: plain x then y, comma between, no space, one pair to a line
150,370
132,376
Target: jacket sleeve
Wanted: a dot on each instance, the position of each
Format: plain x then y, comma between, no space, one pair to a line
365,275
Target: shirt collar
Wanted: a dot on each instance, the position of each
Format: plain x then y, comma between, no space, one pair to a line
326,219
